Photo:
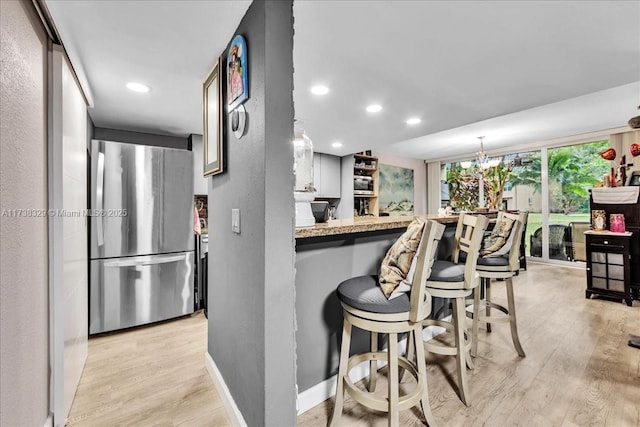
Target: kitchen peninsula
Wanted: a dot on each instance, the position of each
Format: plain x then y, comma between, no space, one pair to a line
327,254
365,224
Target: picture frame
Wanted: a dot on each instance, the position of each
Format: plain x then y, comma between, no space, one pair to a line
237,73
212,145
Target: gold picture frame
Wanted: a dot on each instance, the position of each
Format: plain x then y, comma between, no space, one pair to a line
212,147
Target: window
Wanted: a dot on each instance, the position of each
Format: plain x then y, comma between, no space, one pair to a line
562,211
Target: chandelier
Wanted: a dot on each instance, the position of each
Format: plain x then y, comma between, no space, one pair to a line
481,158
634,122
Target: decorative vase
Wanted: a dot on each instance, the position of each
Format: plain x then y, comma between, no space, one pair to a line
598,220
616,223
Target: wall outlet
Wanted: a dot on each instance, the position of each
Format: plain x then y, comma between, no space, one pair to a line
235,220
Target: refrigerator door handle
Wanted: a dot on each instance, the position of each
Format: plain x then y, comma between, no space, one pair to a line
100,200
134,262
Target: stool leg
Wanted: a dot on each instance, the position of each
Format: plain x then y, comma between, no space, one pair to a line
342,371
410,347
422,372
487,298
408,354
459,319
468,335
476,322
373,365
512,318
394,393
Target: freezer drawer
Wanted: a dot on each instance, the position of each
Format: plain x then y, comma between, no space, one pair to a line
133,291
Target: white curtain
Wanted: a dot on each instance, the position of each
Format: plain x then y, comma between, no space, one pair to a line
433,187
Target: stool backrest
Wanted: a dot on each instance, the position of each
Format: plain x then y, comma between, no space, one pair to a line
427,250
468,239
518,228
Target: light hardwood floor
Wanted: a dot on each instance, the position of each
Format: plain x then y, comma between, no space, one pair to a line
578,371
149,376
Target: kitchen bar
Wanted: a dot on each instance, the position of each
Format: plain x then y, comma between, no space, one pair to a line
327,254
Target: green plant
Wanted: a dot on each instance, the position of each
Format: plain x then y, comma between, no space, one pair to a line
495,179
463,187
572,171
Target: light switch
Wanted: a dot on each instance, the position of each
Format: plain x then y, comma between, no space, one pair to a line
235,220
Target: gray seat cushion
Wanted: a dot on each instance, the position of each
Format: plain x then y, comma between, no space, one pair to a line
489,261
364,294
446,271
496,261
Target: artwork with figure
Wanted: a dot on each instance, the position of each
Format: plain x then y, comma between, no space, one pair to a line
395,190
237,79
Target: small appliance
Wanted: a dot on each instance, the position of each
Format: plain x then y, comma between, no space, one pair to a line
362,184
320,211
304,191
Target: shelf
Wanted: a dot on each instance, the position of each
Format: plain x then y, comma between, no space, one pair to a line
363,157
366,168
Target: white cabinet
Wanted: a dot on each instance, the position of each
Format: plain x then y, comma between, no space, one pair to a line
326,175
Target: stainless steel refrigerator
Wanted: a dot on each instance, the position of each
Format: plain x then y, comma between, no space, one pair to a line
142,246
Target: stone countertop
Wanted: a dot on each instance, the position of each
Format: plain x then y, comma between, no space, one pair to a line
363,225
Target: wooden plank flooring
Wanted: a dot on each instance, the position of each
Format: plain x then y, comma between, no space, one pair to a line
578,371
149,376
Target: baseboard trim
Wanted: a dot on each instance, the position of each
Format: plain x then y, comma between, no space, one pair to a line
320,392
225,395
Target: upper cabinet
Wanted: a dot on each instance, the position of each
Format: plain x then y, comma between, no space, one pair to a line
326,176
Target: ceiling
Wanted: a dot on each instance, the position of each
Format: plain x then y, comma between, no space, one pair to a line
515,72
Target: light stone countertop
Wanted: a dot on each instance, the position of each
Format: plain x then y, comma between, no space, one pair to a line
366,224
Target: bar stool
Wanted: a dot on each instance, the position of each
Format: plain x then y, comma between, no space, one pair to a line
366,307
457,281
505,267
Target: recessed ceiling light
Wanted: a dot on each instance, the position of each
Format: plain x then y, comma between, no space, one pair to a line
413,121
138,87
337,144
319,90
374,108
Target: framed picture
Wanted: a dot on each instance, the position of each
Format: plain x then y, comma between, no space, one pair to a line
212,129
237,73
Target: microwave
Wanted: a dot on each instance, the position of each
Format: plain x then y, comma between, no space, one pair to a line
363,184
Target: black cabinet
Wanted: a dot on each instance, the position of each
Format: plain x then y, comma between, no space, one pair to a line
609,265
631,212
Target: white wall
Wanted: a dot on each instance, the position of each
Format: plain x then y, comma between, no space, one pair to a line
419,177
345,207
24,372
622,142
199,181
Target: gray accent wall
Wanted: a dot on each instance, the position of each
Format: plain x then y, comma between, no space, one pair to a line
323,263
251,336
